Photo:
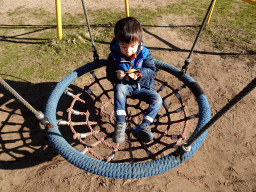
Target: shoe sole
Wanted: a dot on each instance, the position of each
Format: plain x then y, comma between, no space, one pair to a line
142,136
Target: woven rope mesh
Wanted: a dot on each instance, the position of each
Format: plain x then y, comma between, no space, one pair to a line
89,120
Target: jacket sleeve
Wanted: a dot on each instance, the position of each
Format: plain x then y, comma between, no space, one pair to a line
148,69
111,70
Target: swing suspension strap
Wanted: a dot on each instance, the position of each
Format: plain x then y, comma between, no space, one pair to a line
39,115
95,54
188,59
186,147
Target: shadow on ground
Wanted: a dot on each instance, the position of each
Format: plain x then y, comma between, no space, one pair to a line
23,139
22,38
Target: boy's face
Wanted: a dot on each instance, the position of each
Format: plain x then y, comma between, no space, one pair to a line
128,49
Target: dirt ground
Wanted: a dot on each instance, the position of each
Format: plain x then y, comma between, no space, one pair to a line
225,161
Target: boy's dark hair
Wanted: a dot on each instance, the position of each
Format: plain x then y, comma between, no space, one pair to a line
128,30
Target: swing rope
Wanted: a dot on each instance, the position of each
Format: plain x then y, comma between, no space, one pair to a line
188,59
39,115
186,147
94,49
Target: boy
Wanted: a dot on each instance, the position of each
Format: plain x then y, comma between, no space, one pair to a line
131,69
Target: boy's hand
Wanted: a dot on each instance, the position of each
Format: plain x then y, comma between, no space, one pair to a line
120,74
134,75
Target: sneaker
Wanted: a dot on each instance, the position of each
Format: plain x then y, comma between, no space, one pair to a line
119,133
143,133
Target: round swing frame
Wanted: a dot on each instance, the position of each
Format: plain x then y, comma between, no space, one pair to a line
118,170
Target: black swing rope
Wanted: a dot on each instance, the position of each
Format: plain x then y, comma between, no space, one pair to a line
188,59
39,115
94,49
186,146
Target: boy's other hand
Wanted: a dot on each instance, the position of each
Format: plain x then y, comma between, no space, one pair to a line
120,74
135,75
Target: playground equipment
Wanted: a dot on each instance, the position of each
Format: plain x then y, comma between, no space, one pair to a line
106,168
131,170
109,168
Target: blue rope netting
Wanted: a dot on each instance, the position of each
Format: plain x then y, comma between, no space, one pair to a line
118,170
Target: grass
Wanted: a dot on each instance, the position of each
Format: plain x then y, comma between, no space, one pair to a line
37,55
236,22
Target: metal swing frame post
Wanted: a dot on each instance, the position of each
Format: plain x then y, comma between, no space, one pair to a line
59,19
127,8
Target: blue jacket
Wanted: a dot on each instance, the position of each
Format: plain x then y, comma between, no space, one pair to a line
143,61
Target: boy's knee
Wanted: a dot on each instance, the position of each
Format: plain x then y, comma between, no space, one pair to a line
120,88
159,100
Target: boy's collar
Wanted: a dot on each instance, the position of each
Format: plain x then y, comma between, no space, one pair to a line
133,57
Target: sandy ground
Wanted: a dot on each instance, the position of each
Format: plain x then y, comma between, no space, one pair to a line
224,162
